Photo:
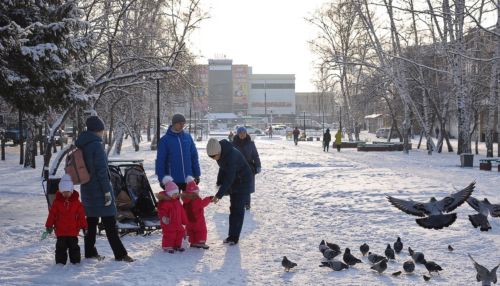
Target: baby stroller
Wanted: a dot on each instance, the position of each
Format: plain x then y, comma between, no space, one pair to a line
135,201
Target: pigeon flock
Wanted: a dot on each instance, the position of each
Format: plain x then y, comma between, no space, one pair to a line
379,263
434,214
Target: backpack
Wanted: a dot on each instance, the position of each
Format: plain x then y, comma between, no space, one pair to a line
75,166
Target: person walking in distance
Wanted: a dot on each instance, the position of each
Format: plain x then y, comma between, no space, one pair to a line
338,139
246,146
296,133
327,137
97,195
176,156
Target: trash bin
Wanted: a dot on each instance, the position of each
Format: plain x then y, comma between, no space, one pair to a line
466,160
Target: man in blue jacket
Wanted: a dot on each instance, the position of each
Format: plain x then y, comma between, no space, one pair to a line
177,156
235,179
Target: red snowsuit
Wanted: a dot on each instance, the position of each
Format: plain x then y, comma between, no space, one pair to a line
172,218
196,227
67,216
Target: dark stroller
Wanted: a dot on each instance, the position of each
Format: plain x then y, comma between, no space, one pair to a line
135,201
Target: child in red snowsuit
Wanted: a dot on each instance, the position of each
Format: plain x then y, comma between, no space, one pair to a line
67,216
194,206
172,219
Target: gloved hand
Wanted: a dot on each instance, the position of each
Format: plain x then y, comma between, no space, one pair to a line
257,170
197,180
107,199
215,200
47,231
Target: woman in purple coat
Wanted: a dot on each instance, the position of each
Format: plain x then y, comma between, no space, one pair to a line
246,146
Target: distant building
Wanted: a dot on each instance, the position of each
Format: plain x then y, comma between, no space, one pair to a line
220,85
272,94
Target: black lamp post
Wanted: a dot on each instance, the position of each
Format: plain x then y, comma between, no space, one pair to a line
304,124
157,112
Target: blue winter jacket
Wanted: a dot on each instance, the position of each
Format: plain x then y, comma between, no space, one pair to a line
177,156
96,161
234,175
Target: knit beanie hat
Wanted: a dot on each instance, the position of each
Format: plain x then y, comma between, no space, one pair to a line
191,186
171,188
94,124
241,129
213,147
65,185
177,118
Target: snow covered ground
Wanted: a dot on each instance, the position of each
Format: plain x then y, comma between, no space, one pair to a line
303,196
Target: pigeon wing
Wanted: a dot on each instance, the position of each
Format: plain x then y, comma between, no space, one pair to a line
481,270
454,200
409,207
494,210
474,203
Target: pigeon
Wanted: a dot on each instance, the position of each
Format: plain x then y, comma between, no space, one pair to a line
349,259
380,266
397,273
389,252
426,278
334,265
287,264
483,275
364,248
432,266
409,266
450,248
398,245
334,247
418,257
374,258
328,253
432,211
483,208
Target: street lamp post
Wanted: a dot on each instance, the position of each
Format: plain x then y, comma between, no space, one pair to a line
157,112
304,124
265,102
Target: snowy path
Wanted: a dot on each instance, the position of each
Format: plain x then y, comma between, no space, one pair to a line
303,195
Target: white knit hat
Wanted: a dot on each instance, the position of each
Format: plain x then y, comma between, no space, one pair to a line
66,185
213,147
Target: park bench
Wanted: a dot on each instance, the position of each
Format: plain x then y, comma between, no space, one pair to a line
486,164
350,144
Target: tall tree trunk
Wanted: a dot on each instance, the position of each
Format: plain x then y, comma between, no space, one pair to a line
493,93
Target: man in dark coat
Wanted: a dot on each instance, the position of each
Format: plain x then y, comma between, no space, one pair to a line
327,137
235,179
246,146
97,196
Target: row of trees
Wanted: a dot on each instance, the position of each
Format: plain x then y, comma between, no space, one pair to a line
421,61
59,58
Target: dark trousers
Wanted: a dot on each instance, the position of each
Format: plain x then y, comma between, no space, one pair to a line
326,146
338,147
236,213
109,223
65,245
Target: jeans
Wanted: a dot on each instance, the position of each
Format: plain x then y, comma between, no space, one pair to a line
236,214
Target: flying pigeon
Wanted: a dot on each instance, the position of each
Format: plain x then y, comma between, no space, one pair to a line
487,277
483,208
389,252
418,257
374,258
349,259
409,266
327,252
380,266
426,278
334,265
432,266
364,248
334,247
432,211
287,264
450,248
398,245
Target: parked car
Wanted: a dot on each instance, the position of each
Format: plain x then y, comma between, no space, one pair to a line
14,135
60,137
250,130
384,133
